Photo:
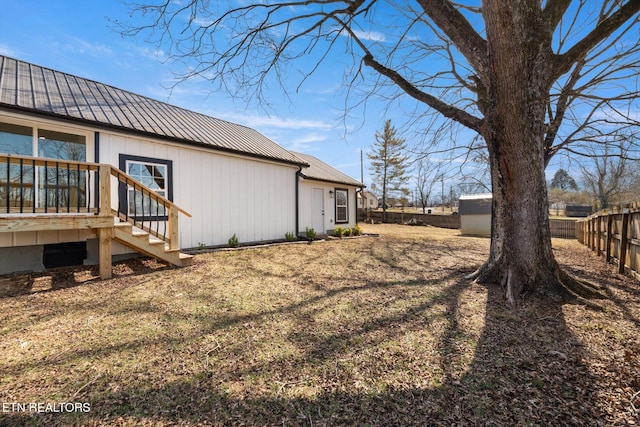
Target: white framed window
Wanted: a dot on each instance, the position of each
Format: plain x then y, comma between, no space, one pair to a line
342,205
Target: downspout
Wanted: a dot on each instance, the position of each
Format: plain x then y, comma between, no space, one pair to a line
298,175
363,204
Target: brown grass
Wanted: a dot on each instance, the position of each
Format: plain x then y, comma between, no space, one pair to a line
363,331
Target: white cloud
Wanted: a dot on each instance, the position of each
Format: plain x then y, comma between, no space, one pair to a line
85,47
308,138
276,122
7,51
373,36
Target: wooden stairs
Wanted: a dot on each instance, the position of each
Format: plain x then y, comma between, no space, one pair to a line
145,243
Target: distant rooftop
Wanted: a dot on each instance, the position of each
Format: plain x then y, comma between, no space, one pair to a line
32,88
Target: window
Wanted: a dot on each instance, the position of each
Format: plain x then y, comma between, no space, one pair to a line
16,182
61,186
152,173
342,211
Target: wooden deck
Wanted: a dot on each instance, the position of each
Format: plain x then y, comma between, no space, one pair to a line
95,213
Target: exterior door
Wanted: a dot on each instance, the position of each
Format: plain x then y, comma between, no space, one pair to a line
317,210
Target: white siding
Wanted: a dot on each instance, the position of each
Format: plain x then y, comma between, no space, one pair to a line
475,225
306,205
225,194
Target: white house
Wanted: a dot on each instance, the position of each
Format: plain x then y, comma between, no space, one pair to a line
367,200
75,154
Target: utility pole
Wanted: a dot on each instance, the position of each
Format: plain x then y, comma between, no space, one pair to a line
442,178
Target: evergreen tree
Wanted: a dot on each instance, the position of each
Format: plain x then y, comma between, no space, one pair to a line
388,163
563,181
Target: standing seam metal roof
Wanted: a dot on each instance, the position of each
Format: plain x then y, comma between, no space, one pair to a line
41,90
321,171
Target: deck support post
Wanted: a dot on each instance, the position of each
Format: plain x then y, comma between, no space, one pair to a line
105,235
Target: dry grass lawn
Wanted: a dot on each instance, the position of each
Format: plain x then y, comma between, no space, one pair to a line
380,331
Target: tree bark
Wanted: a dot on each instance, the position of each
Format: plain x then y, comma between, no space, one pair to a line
521,257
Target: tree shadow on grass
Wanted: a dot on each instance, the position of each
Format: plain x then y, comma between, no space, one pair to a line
519,367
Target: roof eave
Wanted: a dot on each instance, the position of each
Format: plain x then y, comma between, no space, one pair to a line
76,120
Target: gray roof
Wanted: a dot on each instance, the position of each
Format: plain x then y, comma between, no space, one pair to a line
36,89
321,171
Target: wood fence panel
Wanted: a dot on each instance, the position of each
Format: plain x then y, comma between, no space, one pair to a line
615,236
560,228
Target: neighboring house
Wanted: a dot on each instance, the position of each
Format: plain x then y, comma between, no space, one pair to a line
475,214
327,197
75,154
367,200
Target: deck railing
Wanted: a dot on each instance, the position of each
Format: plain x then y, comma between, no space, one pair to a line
39,185
35,185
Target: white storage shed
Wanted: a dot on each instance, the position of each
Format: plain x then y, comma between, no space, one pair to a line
475,214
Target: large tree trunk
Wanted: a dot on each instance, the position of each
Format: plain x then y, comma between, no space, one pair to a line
521,258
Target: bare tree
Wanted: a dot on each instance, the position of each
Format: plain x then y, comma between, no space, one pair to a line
532,78
610,174
427,174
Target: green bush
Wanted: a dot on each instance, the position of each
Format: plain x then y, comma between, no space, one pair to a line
347,232
233,241
289,236
311,234
357,231
338,232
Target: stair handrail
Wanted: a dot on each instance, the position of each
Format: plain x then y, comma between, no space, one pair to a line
101,205
171,234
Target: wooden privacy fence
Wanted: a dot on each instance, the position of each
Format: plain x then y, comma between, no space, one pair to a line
442,221
615,235
561,228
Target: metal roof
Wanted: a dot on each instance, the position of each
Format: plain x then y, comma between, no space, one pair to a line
321,171
41,90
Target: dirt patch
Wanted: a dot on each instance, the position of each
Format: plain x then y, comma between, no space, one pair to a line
370,331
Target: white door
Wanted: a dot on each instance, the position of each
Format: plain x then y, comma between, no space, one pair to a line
317,210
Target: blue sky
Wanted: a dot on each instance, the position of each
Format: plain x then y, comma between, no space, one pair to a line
76,37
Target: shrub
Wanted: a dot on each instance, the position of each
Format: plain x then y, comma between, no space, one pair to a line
310,233
357,231
347,232
289,236
338,232
233,241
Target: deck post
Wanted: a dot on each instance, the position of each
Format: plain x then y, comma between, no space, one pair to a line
174,236
105,234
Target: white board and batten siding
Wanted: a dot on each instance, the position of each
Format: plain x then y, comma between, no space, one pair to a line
312,212
226,194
